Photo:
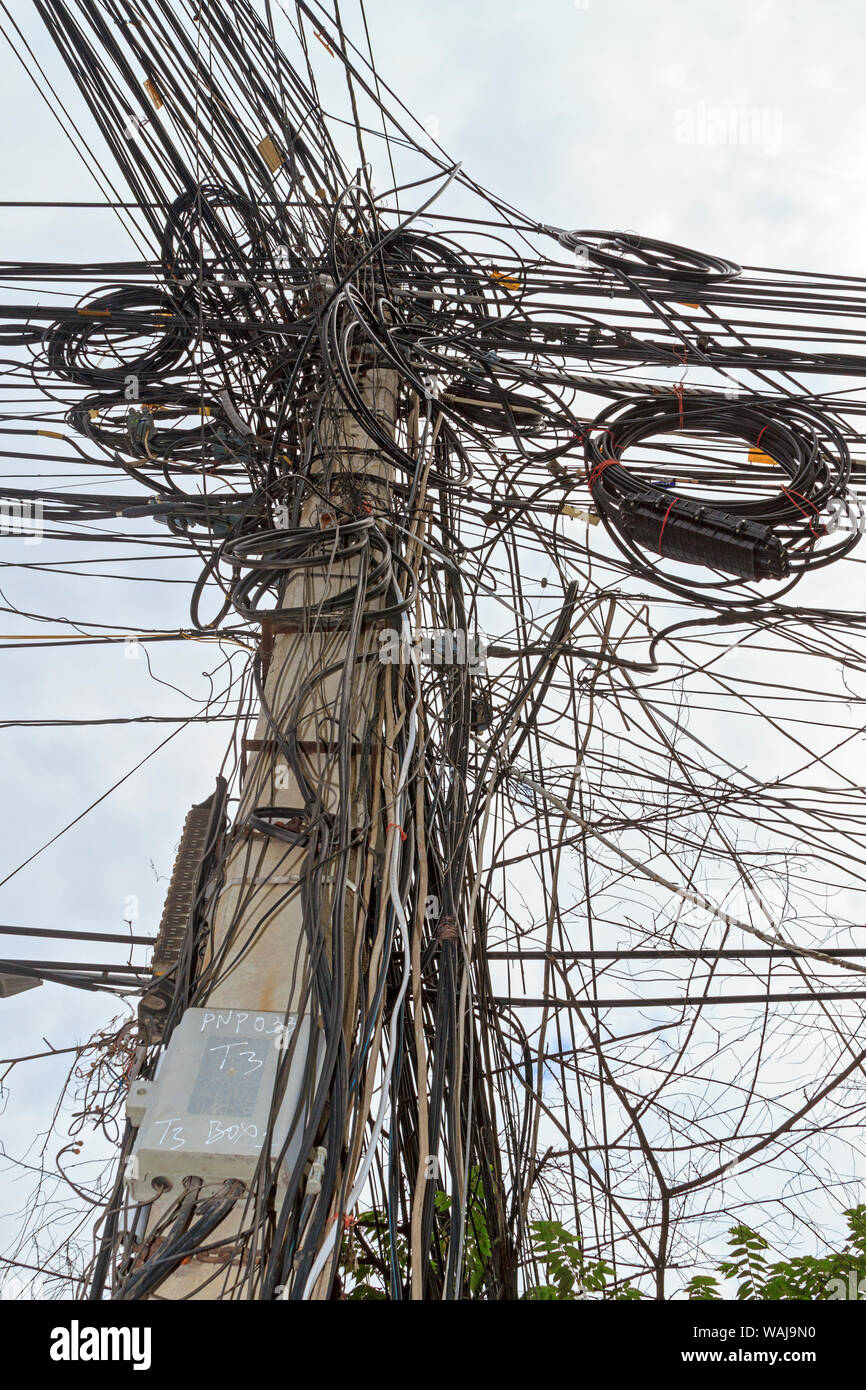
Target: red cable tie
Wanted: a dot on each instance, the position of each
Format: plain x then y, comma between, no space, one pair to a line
598,470
789,492
792,492
394,826
758,440
609,433
596,473
665,522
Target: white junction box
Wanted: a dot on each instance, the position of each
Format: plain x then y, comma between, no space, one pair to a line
206,1112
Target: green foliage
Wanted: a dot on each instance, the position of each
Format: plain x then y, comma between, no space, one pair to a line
570,1276
476,1238
823,1278
365,1263
366,1256
703,1287
747,1263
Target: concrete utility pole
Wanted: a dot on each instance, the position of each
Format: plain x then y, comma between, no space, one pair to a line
258,957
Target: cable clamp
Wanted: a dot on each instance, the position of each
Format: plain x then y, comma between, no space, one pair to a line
317,1172
448,929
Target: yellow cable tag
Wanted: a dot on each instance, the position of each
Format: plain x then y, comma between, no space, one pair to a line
270,154
590,518
758,456
507,281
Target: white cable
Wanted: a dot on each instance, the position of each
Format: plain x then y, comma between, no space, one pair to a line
394,888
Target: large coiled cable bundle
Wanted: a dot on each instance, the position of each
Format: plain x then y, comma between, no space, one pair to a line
772,535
